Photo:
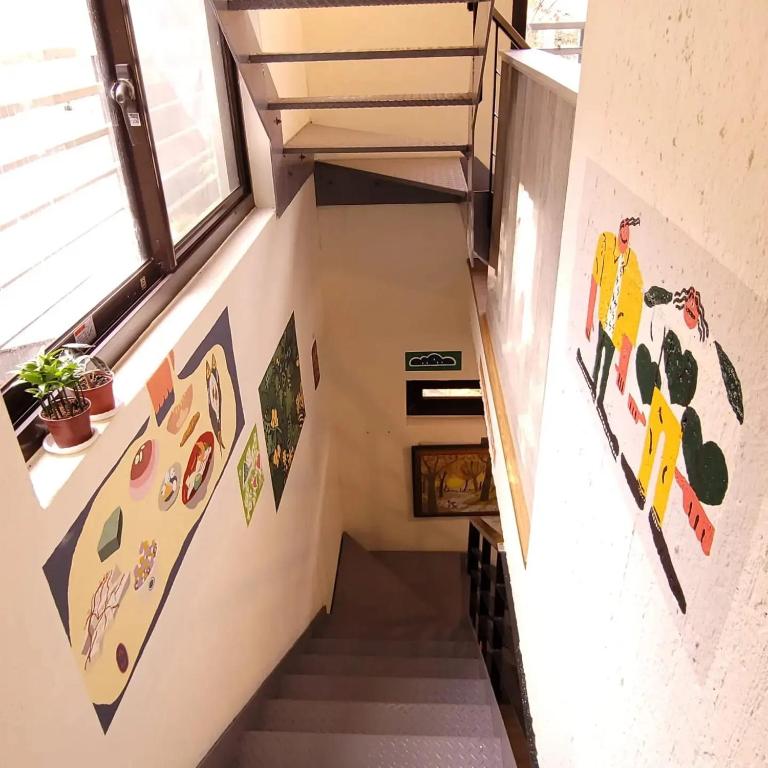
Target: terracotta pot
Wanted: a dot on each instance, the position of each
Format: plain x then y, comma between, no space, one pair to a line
70,432
102,397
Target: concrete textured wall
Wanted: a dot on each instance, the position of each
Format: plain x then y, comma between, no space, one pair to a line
669,107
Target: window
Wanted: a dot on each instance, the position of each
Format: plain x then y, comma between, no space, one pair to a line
98,205
461,397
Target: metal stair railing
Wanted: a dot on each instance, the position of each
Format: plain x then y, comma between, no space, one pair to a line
292,166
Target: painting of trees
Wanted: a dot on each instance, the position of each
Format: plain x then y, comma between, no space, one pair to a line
453,481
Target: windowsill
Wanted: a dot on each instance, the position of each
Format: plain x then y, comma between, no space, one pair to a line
49,473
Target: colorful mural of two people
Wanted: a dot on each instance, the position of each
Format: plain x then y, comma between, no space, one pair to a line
667,379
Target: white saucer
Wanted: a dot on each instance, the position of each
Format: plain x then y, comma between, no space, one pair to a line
50,445
107,414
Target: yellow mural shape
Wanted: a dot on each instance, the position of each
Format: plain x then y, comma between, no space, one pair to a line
107,624
662,424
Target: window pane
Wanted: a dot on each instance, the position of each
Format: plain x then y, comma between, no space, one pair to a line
67,235
451,392
183,72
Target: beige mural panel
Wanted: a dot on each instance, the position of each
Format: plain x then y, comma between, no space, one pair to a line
113,571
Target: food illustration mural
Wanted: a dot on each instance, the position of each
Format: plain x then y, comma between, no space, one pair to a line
198,466
180,412
169,488
142,467
114,569
214,398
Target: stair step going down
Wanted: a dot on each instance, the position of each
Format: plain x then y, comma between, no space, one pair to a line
411,690
386,680
376,718
270,749
385,666
463,649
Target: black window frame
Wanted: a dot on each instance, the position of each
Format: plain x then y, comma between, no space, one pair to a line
418,405
121,317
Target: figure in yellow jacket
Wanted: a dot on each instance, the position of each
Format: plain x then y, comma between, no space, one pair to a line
617,274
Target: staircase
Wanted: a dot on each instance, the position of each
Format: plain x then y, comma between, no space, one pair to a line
427,159
392,677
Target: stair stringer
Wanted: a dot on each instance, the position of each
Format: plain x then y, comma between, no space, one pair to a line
289,171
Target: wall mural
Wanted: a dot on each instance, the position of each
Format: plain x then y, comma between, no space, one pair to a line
112,573
315,364
282,406
453,481
250,475
665,363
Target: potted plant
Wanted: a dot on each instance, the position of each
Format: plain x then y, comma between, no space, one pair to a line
95,378
53,378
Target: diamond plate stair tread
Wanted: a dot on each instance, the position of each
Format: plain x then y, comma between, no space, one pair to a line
387,689
442,173
375,718
325,139
342,629
375,101
384,666
359,54
462,649
268,5
283,750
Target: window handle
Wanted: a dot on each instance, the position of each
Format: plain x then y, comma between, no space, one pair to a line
123,93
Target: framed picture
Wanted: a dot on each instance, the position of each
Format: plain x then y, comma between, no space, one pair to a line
453,481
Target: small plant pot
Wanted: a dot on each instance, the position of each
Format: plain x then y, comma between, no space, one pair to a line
72,431
102,396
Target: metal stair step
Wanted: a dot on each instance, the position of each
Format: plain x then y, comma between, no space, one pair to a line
414,648
277,749
270,5
347,631
388,689
371,102
287,57
384,666
318,139
375,718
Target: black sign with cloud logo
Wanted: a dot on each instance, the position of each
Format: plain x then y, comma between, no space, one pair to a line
433,361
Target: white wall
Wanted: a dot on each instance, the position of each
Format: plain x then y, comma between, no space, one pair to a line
394,280
669,105
242,595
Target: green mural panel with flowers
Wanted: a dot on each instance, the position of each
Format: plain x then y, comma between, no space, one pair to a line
282,406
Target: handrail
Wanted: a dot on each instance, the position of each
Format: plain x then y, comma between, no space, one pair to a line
518,41
495,537
498,407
